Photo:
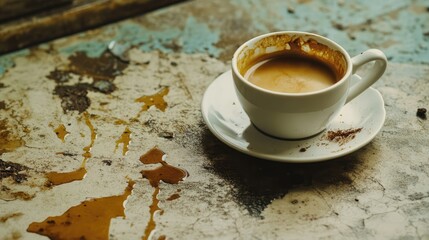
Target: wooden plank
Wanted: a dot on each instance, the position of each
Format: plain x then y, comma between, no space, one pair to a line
81,15
10,9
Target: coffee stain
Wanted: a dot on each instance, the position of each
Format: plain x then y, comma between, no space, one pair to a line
120,122
342,136
68,154
102,70
304,149
156,100
58,178
13,170
8,140
8,194
61,132
165,173
173,196
87,149
88,220
153,208
125,140
6,217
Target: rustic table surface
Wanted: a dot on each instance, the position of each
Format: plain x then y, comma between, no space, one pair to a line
111,144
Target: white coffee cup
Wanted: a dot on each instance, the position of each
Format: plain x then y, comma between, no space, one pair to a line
301,115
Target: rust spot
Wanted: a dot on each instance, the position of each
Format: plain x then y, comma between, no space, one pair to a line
59,76
8,141
103,70
104,67
13,170
73,97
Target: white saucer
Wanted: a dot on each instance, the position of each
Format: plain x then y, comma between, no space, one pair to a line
227,121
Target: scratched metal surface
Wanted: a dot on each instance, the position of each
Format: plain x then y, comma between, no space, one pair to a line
378,192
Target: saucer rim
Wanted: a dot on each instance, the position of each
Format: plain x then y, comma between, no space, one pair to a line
285,158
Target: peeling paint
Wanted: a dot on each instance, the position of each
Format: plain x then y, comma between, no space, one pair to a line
193,37
8,61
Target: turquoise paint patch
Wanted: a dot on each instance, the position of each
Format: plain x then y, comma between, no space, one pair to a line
194,37
198,37
133,34
390,26
8,61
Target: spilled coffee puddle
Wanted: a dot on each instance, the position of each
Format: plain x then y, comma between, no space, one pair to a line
125,140
8,141
103,70
61,132
58,178
165,173
88,220
157,100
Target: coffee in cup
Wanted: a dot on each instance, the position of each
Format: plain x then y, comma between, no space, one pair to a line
292,84
291,73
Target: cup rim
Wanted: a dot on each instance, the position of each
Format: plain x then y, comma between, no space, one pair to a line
297,33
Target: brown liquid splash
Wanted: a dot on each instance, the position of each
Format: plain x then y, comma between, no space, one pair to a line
125,140
165,173
61,132
156,100
88,220
58,178
153,208
87,149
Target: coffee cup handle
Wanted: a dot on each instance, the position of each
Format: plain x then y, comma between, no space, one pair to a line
376,71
